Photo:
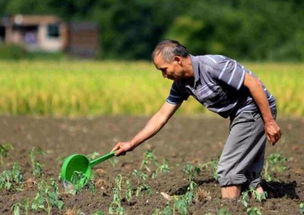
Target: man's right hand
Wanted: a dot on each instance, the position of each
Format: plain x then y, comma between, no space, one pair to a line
122,147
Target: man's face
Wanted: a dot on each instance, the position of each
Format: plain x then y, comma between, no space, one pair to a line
172,70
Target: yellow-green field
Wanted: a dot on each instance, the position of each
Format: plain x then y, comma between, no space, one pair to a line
82,88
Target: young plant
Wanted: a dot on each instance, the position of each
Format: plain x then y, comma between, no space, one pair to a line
191,171
129,191
274,163
141,181
47,197
36,166
244,199
10,178
115,206
152,165
4,149
253,211
213,167
259,196
149,158
98,213
301,208
163,168
21,207
223,211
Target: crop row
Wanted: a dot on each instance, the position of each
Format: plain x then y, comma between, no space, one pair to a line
127,188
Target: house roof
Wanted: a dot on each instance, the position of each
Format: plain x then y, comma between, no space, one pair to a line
29,19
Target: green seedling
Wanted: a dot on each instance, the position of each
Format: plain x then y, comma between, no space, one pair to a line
98,213
223,211
10,178
253,211
301,208
141,181
129,191
21,207
163,168
259,196
213,167
149,158
4,149
143,188
191,171
274,163
36,166
244,199
140,176
166,211
115,206
47,197
152,165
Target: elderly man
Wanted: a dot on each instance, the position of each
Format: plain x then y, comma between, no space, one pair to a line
227,88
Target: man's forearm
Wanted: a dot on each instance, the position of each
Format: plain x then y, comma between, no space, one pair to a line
259,96
150,129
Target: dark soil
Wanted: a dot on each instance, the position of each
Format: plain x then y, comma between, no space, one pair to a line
183,140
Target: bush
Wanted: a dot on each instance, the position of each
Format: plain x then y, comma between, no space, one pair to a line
12,52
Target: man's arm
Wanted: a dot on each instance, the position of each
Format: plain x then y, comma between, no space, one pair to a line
273,131
157,121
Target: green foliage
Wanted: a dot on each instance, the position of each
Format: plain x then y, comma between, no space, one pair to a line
223,211
234,28
301,208
244,199
142,184
115,206
47,197
11,52
213,167
4,149
11,179
275,162
36,166
129,191
253,211
21,207
191,171
98,213
151,161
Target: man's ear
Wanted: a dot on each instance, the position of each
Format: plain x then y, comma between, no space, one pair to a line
177,59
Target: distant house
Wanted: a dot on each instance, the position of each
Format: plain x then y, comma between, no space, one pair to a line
50,34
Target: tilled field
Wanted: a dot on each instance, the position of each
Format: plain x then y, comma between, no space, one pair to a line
184,140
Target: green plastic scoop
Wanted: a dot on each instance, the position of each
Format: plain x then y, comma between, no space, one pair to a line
80,163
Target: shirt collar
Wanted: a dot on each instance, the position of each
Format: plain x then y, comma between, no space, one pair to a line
195,68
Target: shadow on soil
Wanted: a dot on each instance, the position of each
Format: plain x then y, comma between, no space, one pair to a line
274,189
280,189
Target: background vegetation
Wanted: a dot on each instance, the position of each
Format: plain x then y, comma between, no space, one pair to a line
76,88
129,29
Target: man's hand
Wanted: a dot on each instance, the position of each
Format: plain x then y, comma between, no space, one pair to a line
273,131
122,147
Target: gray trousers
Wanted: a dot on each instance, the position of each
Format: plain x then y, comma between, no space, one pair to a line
242,158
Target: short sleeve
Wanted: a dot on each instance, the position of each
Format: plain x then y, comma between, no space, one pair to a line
230,72
177,95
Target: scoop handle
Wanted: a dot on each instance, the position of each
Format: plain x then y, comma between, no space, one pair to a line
101,159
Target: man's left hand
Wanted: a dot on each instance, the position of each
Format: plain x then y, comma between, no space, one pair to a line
273,131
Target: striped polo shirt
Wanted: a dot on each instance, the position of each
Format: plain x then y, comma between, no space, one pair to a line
218,85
